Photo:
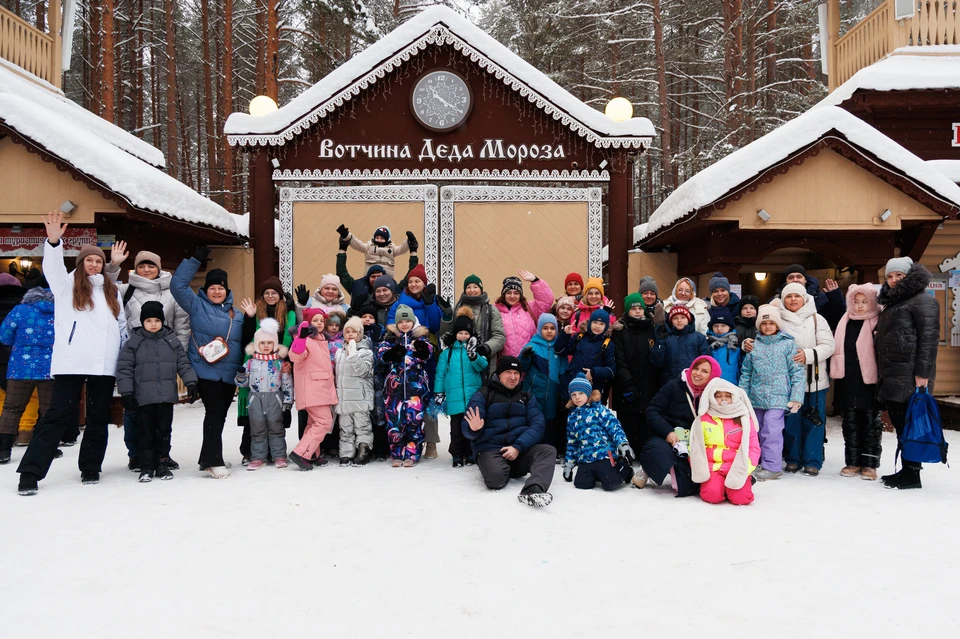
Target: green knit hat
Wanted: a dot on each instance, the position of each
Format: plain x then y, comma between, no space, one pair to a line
472,279
634,299
404,312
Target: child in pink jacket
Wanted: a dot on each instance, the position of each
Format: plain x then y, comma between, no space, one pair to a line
724,444
593,298
520,315
315,389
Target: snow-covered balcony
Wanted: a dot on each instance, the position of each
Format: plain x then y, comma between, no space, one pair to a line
29,48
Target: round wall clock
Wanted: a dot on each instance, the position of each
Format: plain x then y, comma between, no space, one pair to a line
441,100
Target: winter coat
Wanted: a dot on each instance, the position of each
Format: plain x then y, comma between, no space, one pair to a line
86,342
851,390
908,335
697,307
632,341
264,374
157,290
732,305
675,352
313,380
672,406
149,364
10,296
584,311
29,329
722,440
250,326
746,328
355,378
316,301
831,306
769,374
520,325
511,418
588,351
385,256
458,377
593,434
812,333
487,324
407,378
729,358
360,290
429,316
543,368
207,322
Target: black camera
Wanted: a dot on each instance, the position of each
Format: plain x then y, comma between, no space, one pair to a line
812,414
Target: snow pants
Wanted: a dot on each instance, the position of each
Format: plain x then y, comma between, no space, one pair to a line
539,461
405,427
611,475
459,446
771,438
657,458
21,394
265,411
898,415
355,429
154,424
713,491
319,425
802,439
862,432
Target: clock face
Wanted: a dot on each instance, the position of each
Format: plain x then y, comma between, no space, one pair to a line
441,100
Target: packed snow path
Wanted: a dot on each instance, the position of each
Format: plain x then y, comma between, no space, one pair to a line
429,552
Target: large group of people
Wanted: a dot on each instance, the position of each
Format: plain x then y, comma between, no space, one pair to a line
701,395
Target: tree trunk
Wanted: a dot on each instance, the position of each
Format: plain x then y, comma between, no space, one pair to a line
771,61
96,58
273,45
41,16
666,163
227,105
261,81
109,77
213,174
138,71
173,151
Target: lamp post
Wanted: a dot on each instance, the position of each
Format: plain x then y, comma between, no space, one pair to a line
262,199
620,206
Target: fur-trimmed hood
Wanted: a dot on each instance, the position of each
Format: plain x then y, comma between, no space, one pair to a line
418,331
38,294
282,352
914,283
295,331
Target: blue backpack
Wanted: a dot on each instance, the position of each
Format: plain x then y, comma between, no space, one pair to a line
922,436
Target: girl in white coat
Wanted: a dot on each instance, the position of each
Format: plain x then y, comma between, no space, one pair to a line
90,329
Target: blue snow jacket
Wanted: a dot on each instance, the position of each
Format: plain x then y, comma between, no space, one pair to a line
595,352
593,434
29,329
429,316
458,377
675,352
543,368
511,418
769,374
729,358
207,322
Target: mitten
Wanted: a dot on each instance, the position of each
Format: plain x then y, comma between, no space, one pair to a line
193,393
430,294
129,402
351,348
526,352
343,231
661,332
440,398
394,354
626,452
303,295
484,350
471,347
201,254
344,243
300,343
444,304
412,242
421,349
287,407
568,470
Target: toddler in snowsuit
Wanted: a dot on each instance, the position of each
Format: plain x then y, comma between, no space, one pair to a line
147,381
595,441
542,367
724,448
354,371
591,352
460,373
405,352
314,387
746,321
676,347
271,394
379,250
775,384
724,343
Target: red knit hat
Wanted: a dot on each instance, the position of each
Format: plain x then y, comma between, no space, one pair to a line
418,272
573,277
308,313
680,309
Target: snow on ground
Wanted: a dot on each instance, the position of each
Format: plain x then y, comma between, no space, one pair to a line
430,552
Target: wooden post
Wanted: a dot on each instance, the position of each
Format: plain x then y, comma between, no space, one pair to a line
55,23
262,202
620,225
833,32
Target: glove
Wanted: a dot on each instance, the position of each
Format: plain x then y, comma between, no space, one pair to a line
430,294
351,348
129,402
421,350
303,295
394,354
626,452
440,398
526,353
471,348
661,332
193,393
287,407
443,302
288,300
629,396
412,242
568,471
343,231
344,243
484,350
202,254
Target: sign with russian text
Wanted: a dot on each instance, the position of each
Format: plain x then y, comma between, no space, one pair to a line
29,241
450,153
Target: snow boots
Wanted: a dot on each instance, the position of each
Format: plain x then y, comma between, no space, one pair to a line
6,445
908,477
363,455
300,462
89,477
535,496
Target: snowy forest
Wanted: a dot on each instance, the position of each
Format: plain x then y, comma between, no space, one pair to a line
712,75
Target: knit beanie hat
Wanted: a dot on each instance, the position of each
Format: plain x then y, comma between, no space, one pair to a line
8,280
718,281
385,281
311,312
367,309
146,256
567,300
512,284
268,332
329,278
721,315
680,309
647,283
463,321
594,282
898,265
383,232
375,268
420,273
215,277
769,313
795,268
547,318
404,313
794,287
507,363
573,277
633,299
749,300
472,279
580,384
272,284
356,324
151,310
600,315
90,249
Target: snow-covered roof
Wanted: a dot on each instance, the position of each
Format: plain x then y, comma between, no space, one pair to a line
717,180
950,168
50,98
436,25
906,69
142,185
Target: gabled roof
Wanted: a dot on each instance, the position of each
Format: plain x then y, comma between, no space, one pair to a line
437,25
745,164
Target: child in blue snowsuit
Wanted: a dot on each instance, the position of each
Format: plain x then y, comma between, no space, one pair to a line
542,368
595,441
678,346
724,343
590,350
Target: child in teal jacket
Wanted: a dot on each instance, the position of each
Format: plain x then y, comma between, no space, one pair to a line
542,368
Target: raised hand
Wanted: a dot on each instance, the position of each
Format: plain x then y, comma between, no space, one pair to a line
304,330
344,244
430,294
412,242
830,285
248,307
526,275
343,231
53,223
474,421
119,253
303,295
201,254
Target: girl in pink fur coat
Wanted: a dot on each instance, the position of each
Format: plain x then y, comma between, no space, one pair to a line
854,370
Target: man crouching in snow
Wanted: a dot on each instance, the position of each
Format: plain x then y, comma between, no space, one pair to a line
505,426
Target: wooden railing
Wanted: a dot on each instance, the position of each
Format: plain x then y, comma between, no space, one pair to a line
934,22
29,48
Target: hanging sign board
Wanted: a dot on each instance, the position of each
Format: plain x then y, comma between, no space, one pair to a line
29,241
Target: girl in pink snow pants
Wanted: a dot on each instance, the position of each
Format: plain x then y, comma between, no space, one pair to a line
314,386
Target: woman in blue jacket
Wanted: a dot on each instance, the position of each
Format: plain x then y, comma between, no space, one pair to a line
212,318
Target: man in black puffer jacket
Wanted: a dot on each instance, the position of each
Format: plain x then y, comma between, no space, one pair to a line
907,337
505,426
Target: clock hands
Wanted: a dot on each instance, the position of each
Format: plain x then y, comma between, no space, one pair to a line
437,96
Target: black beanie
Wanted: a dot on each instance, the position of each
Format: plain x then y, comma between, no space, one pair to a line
463,323
367,309
151,310
508,363
795,268
750,300
216,276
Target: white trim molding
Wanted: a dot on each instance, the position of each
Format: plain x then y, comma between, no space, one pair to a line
426,193
451,195
491,175
953,264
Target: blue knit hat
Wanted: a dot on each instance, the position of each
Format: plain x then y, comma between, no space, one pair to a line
383,232
580,384
547,318
721,315
600,315
387,281
718,281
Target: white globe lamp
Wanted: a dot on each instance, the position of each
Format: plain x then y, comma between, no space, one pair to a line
619,110
262,105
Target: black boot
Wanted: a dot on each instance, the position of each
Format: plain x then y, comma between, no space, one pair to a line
535,496
28,484
6,445
363,455
300,462
458,461
89,477
908,477
851,437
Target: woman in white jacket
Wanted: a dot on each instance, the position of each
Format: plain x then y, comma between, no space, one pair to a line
802,434
90,329
685,294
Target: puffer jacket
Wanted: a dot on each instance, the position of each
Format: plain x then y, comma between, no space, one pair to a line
723,438
458,377
675,352
672,406
10,296
355,378
429,316
769,374
812,334
385,256
313,380
729,358
520,325
487,324
207,322
907,337
264,374
543,367
316,301
511,418
29,329
157,290
632,340
746,328
408,377
149,364
587,350
593,434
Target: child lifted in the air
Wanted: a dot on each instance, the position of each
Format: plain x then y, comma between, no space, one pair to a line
379,250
